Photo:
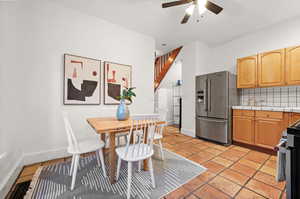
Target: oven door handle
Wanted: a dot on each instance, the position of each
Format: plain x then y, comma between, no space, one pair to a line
281,144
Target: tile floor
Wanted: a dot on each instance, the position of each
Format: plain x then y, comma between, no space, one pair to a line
233,172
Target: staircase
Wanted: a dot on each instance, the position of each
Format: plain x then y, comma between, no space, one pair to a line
162,66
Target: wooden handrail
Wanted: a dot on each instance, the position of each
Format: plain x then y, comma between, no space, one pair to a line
162,66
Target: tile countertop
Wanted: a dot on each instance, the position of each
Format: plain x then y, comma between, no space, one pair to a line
269,108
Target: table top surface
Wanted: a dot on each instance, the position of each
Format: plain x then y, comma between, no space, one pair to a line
111,124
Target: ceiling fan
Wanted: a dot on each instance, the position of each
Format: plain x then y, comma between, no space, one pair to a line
202,6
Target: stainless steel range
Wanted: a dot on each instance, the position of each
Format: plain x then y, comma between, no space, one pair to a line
293,161
216,93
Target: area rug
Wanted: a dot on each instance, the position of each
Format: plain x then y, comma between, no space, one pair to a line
54,182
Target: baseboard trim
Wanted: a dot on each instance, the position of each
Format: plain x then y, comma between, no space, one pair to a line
27,159
10,179
42,156
188,132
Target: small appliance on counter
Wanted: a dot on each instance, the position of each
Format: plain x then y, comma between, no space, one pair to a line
216,93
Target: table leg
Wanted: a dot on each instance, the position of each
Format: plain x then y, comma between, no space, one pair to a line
103,138
112,157
145,165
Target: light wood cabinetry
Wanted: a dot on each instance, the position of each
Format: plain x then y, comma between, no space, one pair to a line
268,132
259,128
293,65
271,68
294,117
247,113
247,72
243,128
275,68
269,114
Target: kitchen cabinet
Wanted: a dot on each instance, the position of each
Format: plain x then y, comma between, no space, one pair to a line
243,128
247,72
293,65
267,132
269,114
294,118
271,68
259,128
274,68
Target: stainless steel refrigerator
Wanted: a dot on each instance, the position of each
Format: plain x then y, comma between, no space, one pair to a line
216,93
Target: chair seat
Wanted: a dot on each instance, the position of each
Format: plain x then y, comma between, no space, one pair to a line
157,136
87,145
145,152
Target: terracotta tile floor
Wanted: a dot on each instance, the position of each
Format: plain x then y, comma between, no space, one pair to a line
233,171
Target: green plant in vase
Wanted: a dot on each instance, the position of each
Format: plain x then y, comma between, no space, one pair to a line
123,111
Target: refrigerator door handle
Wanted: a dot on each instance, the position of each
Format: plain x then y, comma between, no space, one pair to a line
205,97
212,120
209,94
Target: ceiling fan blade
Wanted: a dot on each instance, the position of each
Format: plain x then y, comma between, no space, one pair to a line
188,12
176,3
185,18
213,7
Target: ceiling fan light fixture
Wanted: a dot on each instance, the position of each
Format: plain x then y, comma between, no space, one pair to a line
201,10
201,3
201,6
190,9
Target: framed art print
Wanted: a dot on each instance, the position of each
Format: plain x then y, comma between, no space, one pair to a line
116,77
82,77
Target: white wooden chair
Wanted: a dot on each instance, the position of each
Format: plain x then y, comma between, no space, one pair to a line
159,129
77,147
141,148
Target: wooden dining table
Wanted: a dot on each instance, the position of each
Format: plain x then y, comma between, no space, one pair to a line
112,126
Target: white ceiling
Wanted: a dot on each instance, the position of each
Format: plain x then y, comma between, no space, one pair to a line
146,16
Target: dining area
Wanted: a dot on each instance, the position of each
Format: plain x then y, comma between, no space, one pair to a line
111,158
130,140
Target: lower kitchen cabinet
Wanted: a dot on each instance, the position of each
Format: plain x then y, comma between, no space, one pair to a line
267,132
294,117
243,128
261,128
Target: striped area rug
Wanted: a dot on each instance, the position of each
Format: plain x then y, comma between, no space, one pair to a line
54,182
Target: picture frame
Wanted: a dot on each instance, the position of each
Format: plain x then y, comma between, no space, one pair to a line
82,80
116,77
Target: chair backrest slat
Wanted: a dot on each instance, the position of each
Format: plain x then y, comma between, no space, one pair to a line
139,124
70,134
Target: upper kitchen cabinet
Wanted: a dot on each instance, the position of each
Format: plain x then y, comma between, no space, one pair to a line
271,68
293,65
247,72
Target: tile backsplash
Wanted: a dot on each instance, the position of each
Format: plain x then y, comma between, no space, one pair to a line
275,96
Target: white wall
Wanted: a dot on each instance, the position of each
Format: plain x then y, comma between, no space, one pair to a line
11,103
195,60
164,103
203,53
278,36
172,75
165,89
33,86
46,37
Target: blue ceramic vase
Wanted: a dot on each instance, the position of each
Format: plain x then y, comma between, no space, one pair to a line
122,112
